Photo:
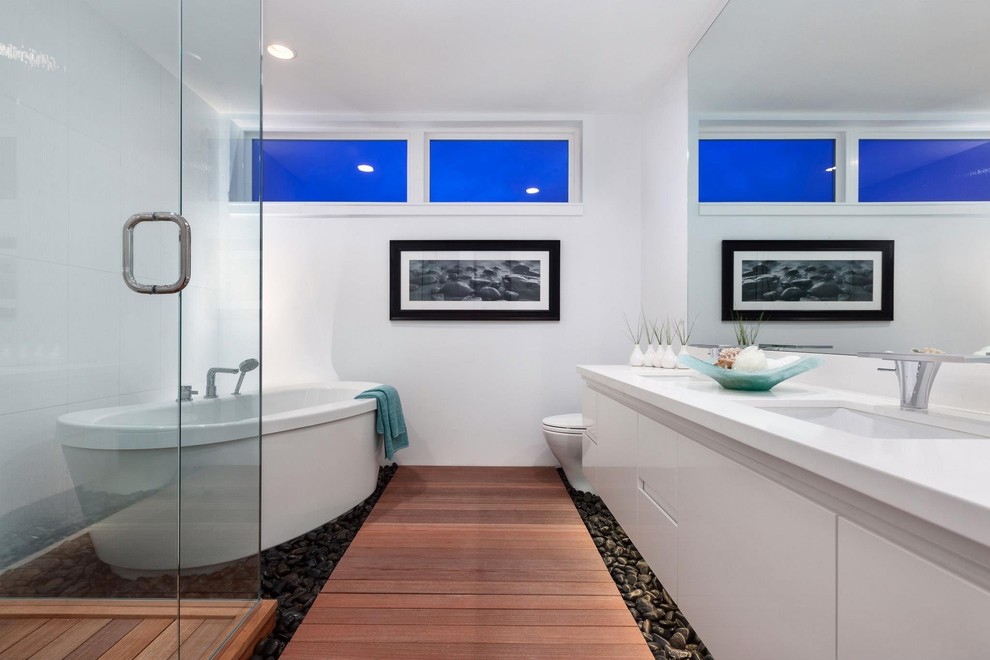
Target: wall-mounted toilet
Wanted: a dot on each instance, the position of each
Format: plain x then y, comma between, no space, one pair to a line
563,436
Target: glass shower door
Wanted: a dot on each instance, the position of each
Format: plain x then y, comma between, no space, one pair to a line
89,443
109,109
220,320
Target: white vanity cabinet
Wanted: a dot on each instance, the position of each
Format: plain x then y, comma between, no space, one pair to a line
755,561
778,541
893,603
751,563
616,427
656,504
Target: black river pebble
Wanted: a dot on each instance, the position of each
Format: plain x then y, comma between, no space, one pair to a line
665,629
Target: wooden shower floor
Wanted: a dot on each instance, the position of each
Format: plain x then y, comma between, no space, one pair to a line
470,562
84,629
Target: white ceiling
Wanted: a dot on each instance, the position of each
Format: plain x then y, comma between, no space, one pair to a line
474,56
845,56
570,56
219,41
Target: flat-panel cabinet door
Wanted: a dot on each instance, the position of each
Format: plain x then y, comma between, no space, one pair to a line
656,540
589,459
895,604
656,457
755,561
617,461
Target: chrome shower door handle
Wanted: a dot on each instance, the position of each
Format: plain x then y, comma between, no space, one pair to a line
185,253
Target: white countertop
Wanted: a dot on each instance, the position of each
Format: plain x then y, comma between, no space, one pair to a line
943,481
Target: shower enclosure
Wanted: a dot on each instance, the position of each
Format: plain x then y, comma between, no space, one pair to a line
113,110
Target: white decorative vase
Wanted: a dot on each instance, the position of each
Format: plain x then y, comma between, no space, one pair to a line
650,356
683,351
636,357
658,356
668,360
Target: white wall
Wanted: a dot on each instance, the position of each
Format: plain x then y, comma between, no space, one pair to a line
665,229
84,143
473,392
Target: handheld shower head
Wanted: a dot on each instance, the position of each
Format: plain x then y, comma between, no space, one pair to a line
247,365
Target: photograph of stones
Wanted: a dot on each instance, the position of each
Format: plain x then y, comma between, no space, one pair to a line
474,280
807,280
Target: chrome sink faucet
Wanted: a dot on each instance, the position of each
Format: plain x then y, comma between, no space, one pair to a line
211,376
916,373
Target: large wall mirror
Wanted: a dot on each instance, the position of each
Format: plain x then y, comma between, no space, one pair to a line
845,121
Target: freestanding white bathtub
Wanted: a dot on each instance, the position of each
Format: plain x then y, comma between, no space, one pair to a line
319,456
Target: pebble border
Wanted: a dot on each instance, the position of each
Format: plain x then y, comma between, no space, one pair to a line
294,572
666,630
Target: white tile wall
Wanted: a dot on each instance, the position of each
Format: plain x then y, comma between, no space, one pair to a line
33,334
94,203
21,448
140,326
95,58
36,218
85,141
94,335
41,26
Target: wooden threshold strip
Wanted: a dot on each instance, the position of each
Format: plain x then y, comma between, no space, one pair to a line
131,629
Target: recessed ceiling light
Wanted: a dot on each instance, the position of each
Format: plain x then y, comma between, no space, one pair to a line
281,52
366,168
532,191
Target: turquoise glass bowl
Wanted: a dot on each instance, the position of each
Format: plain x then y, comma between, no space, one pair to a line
750,381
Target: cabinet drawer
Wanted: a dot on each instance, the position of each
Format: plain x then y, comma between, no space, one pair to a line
656,458
656,540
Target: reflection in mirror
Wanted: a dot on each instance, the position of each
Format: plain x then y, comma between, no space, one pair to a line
892,89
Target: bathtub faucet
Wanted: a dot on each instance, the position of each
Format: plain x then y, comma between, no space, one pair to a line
211,380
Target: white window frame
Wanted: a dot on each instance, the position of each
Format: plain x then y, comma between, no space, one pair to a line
417,138
847,135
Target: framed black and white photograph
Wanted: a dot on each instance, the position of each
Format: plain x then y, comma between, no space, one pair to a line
475,280
808,280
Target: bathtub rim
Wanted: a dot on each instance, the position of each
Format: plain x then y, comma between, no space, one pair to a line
82,425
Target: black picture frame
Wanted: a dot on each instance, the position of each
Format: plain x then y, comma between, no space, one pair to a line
525,274
860,280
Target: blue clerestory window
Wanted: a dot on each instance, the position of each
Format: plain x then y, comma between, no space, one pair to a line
498,170
322,170
924,170
766,170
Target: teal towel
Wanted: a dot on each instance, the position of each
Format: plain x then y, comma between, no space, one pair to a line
391,422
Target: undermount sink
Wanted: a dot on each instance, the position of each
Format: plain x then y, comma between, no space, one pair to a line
893,424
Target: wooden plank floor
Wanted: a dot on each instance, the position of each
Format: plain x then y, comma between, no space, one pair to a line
118,629
468,562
